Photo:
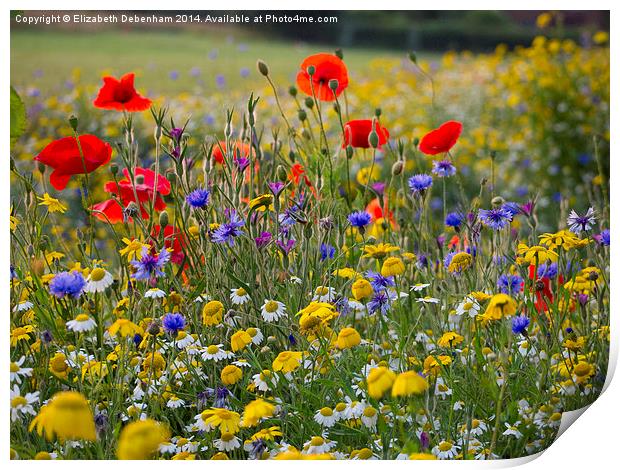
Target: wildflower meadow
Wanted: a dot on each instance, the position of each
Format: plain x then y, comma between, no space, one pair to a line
405,260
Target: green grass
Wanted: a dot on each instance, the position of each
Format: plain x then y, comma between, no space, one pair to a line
153,56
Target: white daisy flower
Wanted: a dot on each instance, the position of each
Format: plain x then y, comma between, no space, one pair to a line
419,287
17,371
477,427
175,402
154,293
214,352
168,447
183,339
202,298
441,388
135,411
318,445
256,335
265,380
469,306
22,405
98,280
324,294
325,417
512,430
272,310
23,306
294,280
239,296
427,300
445,450
369,417
81,323
354,409
242,363
227,442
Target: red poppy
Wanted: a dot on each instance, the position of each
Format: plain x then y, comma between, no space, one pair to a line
219,151
174,241
297,173
455,242
542,287
63,155
121,95
126,190
326,68
376,210
442,139
356,133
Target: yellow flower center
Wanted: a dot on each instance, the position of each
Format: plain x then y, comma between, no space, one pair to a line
364,453
468,305
18,401
340,407
445,446
213,349
82,317
97,274
227,436
322,290
317,441
370,412
14,367
271,306
182,441
325,411
241,292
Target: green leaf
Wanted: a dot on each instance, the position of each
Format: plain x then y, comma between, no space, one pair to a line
18,116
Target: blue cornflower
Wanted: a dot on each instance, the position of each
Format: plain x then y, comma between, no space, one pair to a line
359,218
520,324
291,339
227,232
496,219
510,284
173,322
454,219
443,168
221,398
512,207
420,183
198,198
379,282
67,283
327,251
150,266
380,302
549,270
448,259
580,223
603,237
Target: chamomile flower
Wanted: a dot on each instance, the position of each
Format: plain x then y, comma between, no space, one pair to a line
318,445
239,296
427,300
175,402
265,380
513,430
227,442
21,405
23,306
154,293
325,417
81,323
369,417
419,287
445,450
214,352
272,310
324,294
256,335
98,280
17,371
468,306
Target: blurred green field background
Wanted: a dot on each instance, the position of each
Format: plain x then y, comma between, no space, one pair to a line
164,61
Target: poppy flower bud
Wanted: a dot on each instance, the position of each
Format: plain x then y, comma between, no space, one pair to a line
349,151
292,91
265,349
305,134
157,133
413,57
301,114
373,139
483,181
262,68
163,219
139,179
272,339
333,84
132,209
281,173
397,167
114,168
498,201
493,154
378,112
309,103
228,130
338,53
416,141
311,69
308,232
73,122
41,167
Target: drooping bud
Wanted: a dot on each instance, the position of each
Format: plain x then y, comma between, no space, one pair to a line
262,67
498,201
397,167
153,329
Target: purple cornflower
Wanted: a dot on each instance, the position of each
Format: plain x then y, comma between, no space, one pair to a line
359,219
276,187
379,282
496,219
173,322
220,81
226,233
380,302
198,198
443,168
527,208
512,207
149,266
520,324
378,187
580,223
241,162
454,219
221,398
602,238
67,283
327,251
176,133
510,284
583,299
286,247
418,184
263,239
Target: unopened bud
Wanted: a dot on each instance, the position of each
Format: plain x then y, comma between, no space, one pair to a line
413,57
378,112
301,114
308,232
373,139
311,69
338,53
333,84
153,329
163,219
309,102
349,151
262,68
114,168
292,91
73,122
397,167
281,173
41,167
498,201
